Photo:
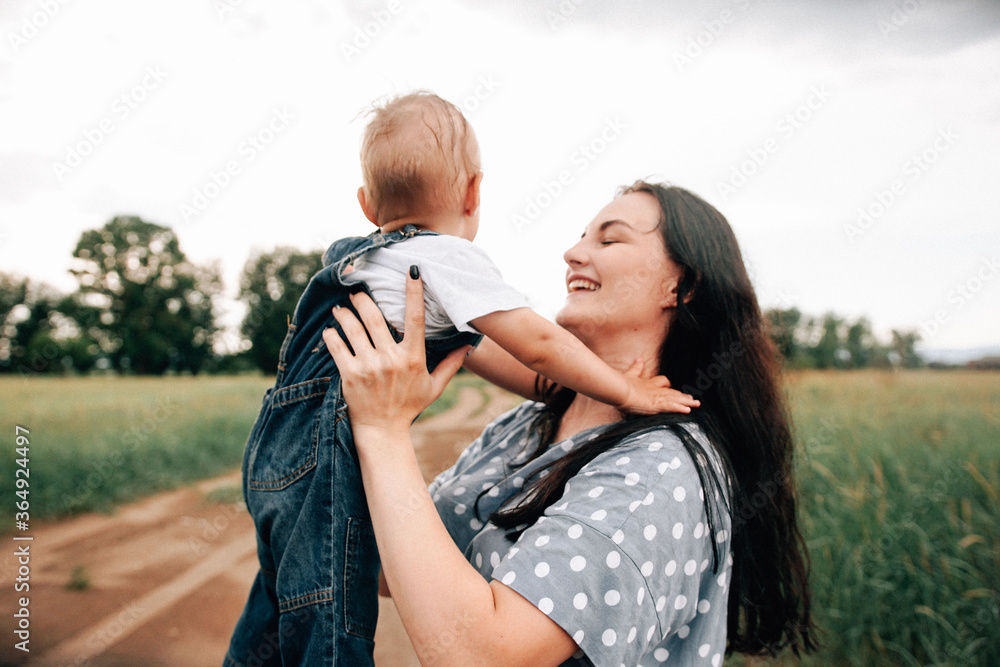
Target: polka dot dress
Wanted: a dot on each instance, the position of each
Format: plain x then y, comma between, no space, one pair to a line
622,562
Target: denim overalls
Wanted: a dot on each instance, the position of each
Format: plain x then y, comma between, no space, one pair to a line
315,598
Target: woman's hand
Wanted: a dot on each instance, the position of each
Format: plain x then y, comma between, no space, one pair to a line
386,385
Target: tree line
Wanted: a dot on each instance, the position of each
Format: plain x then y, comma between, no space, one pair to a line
141,307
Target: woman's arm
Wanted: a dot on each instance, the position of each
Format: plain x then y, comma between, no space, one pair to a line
452,615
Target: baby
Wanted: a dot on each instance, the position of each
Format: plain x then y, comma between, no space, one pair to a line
315,596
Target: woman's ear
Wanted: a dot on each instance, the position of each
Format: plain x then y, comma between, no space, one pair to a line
674,285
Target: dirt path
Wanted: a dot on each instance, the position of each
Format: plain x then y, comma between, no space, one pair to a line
164,580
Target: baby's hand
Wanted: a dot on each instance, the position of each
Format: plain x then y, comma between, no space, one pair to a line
653,395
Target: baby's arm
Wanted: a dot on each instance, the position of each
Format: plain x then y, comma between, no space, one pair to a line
560,356
497,366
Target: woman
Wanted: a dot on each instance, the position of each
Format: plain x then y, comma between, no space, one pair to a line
569,533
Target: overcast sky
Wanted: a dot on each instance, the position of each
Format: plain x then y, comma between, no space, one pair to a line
853,146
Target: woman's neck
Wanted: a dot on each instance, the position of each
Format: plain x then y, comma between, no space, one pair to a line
583,413
619,353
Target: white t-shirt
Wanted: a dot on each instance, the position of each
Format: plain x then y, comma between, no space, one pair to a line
461,282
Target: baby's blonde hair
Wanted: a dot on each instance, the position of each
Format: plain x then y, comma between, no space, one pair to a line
417,152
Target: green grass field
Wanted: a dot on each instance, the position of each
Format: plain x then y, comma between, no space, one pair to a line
899,477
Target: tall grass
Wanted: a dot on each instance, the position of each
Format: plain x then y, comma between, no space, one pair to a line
99,441
899,478
900,494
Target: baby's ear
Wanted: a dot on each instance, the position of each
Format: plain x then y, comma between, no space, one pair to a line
369,212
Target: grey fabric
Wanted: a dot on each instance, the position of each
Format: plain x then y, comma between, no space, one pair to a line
622,562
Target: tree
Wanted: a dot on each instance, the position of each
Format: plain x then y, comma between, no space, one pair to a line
36,334
903,347
829,351
147,306
270,286
860,343
784,332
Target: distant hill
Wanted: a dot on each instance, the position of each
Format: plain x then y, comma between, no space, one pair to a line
958,356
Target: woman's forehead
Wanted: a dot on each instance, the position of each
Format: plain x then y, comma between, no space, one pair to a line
638,211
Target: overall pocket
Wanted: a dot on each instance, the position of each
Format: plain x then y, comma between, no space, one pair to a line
287,442
361,568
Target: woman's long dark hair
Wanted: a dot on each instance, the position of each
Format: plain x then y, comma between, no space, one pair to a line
718,350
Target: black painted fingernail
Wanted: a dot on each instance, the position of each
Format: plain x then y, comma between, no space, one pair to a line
414,272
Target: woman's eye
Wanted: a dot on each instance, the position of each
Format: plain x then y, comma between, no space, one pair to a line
608,241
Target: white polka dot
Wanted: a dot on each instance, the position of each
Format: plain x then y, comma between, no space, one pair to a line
542,541
716,660
518,482
680,602
631,479
722,579
598,515
618,537
577,563
679,494
458,491
560,508
567,445
678,530
721,537
648,500
494,492
622,461
704,606
690,567
703,650
661,602
647,568
655,446
649,633
614,559
649,532
701,494
578,636
661,654
675,464
631,635
703,566
596,491
609,637
641,596
508,578
542,569
487,485
495,559
545,605
699,530
575,531
662,468
512,552
580,600
479,560
476,524
671,568
612,597
460,508
634,505
684,631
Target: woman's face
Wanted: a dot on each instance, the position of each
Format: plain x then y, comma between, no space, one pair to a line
619,278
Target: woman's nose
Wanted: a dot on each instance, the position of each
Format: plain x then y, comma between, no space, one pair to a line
575,255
